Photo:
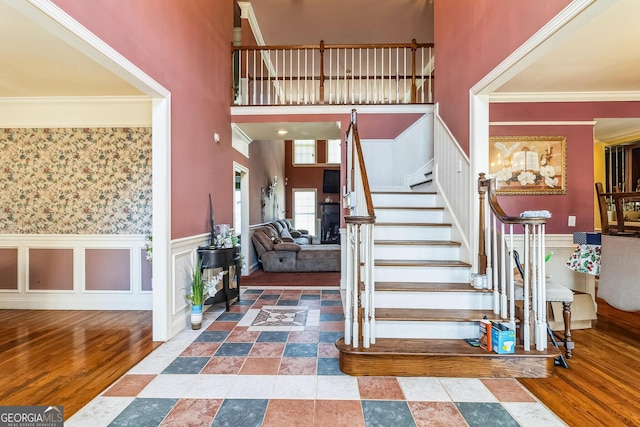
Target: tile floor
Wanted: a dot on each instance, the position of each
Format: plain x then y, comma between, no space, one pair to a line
271,361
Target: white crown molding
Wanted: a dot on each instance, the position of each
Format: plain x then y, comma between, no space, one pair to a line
530,50
240,140
246,12
67,112
546,123
515,97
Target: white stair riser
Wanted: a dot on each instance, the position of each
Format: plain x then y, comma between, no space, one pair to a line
411,233
404,199
421,274
435,300
412,215
427,186
416,252
426,329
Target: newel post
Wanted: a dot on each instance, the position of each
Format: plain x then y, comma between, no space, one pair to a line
482,255
321,71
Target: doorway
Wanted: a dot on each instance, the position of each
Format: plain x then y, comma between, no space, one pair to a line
241,211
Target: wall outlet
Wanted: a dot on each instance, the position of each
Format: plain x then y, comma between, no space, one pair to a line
572,221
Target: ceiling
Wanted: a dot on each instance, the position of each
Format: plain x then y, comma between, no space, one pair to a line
601,56
36,63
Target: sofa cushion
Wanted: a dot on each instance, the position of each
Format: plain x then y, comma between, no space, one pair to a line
287,246
317,252
262,242
286,235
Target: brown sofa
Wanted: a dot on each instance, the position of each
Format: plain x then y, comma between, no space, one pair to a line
276,255
287,233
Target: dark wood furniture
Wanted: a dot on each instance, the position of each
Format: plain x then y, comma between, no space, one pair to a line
330,222
223,258
618,200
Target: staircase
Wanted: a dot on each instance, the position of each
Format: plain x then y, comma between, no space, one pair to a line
424,304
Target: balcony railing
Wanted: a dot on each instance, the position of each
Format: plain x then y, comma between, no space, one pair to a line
333,74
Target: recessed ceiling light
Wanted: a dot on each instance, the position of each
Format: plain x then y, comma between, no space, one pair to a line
282,132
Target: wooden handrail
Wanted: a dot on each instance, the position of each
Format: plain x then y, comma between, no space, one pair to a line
335,46
487,188
488,185
363,171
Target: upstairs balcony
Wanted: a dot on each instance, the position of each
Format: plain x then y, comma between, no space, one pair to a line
327,74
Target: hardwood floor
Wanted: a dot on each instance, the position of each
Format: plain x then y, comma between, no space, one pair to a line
601,386
68,357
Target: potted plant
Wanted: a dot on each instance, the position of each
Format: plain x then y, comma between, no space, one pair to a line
200,289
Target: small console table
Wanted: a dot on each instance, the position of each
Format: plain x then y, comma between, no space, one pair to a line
223,258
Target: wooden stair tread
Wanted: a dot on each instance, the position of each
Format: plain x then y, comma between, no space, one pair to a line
407,346
433,314
417,242
426,287
419,263
430,193
410,208
443,358
413,224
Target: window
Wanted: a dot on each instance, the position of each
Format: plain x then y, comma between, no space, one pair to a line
304,151
333,151
304,210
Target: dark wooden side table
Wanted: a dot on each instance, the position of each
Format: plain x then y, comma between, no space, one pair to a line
224,258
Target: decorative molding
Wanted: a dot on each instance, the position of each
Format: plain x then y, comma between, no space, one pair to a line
246,12
75,112
79,298
610,96
531,50
240,140
546,123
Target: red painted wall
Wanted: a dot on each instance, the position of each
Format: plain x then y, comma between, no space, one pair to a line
184,46
579,200
471,38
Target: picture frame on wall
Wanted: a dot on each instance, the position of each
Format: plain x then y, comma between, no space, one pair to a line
528,164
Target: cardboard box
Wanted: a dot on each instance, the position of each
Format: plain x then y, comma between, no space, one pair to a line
485,334
583,312
503,339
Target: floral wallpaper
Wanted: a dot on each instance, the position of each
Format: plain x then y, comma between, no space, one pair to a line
75,181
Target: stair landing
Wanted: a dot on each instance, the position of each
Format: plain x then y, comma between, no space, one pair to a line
442,358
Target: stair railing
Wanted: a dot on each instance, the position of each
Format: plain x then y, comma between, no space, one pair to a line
359,323
333,74
496,260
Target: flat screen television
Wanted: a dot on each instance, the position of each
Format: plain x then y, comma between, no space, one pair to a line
331,181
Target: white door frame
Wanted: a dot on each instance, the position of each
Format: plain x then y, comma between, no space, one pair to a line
62,25
244,222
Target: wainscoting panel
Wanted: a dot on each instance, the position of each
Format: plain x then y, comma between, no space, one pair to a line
63,272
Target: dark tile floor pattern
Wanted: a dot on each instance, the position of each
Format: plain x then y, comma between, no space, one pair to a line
228,375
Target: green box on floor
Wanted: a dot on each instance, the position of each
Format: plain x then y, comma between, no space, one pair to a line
503,339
